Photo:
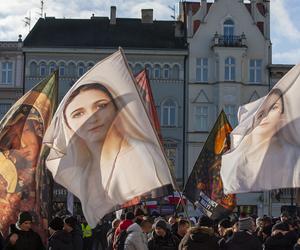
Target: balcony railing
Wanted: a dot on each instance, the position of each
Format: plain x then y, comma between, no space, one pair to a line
229,41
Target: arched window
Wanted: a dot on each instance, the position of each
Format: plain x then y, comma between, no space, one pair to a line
43,69
81,69
169,113
137,68
33,69
62,69
52,67
175,72
90,65
157,71
228,27
149,70
166,72
229,69
72,69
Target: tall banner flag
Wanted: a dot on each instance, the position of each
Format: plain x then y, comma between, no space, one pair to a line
265,149
146,93
21,133
204,186
104,148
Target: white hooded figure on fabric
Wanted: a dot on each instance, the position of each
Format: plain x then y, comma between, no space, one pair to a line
103,146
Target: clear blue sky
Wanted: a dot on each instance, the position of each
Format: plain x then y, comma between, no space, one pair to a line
285,18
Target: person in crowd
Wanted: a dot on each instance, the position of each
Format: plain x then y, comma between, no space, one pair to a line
173,223
297,245
182,228
99,234
87,235
200,237
284,216
225,231
281,238
146,226
139,214
161,238
59,239
124,224
136,239
244,238
23,237
72,226
111,233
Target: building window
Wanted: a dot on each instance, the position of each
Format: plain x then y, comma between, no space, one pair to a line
169,112
230,111
228,28
202,69
62,69
157,71
175,72
166,72
33,69
90,65
149,70
7,68
4,107
52,68
171,153
72,69
255,70
137,69
80,69
43,69
201,118
229,69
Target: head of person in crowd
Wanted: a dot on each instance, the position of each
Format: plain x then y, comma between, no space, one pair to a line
223,226
122,217
55,225
115,223
70,223
284,216
129,216
281,227
24,222
267,221
172,220
259,222
146,226
139,214
183,227
161,228
246,224
205,221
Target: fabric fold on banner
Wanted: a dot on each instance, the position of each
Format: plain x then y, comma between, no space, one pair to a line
103,146
204,186
265,146
21,133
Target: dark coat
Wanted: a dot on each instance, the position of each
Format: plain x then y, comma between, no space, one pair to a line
77,239
243,240
1,241
110,238
28,240
281,242
199,238
169,242
297,247
60,240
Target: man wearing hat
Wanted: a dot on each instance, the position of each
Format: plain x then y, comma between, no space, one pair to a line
244,238
59,239
24,238
162,238
72,226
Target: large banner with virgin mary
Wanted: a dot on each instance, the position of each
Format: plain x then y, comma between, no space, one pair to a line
265,146
103,146
21,134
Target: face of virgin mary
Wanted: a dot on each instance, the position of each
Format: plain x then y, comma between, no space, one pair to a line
90,115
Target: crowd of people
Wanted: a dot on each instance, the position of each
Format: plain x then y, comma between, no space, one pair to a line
136,231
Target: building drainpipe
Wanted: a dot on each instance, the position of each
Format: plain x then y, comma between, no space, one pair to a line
24,72
185,99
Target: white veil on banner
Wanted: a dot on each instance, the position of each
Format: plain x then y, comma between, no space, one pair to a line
103,147
265,148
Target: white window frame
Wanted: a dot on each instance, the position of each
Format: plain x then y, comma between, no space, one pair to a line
52,67
201,114
43,68
7,71
169,109
72,74
231,69
228,29
168,148
80,68
62,70
157,71
230,111
31,69
256,70
9,104
166,72
202,69
176,72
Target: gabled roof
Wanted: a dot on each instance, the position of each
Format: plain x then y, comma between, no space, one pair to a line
98,32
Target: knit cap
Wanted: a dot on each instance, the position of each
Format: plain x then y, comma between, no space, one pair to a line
245,224
24,216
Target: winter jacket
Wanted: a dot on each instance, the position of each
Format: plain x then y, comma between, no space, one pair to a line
123,226
110,238
77,240
1,241
169,242
199,238
136,239
28,240
243,240
60,240
281,242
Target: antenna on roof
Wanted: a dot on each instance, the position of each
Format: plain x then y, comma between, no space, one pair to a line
42,9
27,20
173,9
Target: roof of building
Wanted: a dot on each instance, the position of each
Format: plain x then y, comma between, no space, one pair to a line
98,32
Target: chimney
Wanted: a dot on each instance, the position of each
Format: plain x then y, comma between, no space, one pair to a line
113,14
147,15
203,10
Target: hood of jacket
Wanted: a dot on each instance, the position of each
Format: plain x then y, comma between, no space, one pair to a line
201,234
134,228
